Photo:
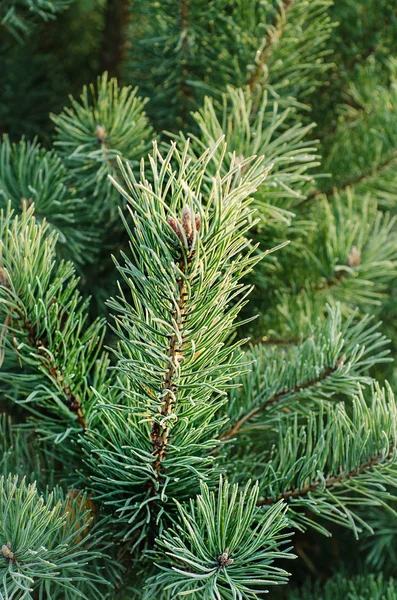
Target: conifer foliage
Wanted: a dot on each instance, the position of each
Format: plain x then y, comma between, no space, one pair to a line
197,302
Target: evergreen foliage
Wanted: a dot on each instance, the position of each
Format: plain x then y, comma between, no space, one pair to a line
369,587
30,174
224,403
108,123
222,527
19,17
51,551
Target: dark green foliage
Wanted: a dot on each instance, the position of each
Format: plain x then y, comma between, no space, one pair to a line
109,122
20,16
176,458
365,587
211,552
31,175
180,54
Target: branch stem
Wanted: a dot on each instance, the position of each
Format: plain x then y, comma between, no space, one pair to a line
41,345
160,434
278,397
267,50
332,481
363,177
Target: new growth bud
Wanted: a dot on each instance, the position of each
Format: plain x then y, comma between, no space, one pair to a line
354,258
100,134
7,552
174,226
186,226
3,278
224,560
187,221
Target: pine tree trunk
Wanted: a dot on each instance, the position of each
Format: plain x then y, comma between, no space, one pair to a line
115,25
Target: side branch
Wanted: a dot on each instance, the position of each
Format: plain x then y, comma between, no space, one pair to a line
364,177
267,50
40,345
329,482
237,428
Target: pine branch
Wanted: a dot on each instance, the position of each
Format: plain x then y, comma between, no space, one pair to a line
351,259
21,454
188,253
44,318
362,178
180,56
269,129
20,18
340,461
29,174
333,359
293,49
368,133
107,123
279,396
332,481
362,587
274,37
42,347
51,544
160,434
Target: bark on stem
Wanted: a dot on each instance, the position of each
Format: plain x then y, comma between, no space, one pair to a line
236,429
331,481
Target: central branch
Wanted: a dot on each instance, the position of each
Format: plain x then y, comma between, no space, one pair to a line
160,434
186,230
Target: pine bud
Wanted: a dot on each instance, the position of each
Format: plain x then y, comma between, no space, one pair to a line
354,257
3,278
100,134
187,222
186,226
224,560
175,226
7,552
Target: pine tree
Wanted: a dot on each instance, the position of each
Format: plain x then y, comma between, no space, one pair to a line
198,260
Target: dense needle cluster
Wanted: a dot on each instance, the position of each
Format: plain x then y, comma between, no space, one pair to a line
198,261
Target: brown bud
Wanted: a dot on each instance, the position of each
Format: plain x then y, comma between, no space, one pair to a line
7,552
175,226
224,560
100,134
354,257
187,222
3,278
197,221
